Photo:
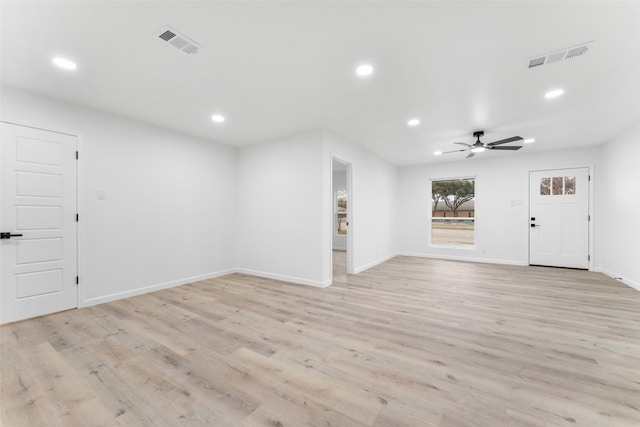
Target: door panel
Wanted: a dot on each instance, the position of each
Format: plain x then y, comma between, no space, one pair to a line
548,241
39,283
31,150
571,245
38,217
559,214
39,268
39,250
38,184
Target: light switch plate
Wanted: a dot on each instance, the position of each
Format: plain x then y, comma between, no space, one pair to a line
102,195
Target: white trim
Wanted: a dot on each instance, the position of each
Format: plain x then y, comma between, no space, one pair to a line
350,223
350,211
617,277
301,281
80,229
463,258
152,288
373,263
40,126
592,217
283,277
198,278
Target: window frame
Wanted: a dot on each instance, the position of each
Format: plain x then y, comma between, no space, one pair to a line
475,213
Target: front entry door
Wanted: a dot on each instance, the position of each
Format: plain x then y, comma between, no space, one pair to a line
559,218
38,249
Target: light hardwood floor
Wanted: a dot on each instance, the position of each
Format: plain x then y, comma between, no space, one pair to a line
411,342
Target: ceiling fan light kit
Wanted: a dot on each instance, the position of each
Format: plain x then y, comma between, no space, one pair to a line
479,147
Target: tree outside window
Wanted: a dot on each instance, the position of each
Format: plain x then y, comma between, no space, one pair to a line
453,212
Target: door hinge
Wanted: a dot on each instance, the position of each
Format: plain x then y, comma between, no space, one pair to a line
77,280
76,155
589,178
77,217
588,257
588,217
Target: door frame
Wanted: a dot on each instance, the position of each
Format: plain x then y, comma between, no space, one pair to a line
590,204
350,198
80,202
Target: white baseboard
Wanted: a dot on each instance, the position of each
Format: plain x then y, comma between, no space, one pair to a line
173,283
318,284
463,258
298,280
618,277
362,268
284,278
152,288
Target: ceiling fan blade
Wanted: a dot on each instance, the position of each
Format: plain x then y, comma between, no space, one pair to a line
462,143
510,147
471,154
504,141
453,151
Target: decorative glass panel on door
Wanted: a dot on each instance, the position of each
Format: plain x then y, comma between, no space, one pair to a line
556,185
545,186
569,185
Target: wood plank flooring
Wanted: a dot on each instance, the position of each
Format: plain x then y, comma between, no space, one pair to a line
411,342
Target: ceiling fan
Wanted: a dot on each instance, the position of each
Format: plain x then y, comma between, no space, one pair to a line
479,147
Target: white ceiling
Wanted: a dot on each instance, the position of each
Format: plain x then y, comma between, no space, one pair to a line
277,68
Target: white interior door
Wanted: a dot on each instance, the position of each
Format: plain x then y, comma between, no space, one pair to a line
559,218
38,266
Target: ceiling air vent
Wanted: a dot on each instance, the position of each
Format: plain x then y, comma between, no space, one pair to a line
537,61
560,55
180,41
577,51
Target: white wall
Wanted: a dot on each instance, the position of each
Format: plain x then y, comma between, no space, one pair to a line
339,184
501,203
371,204
619,208
280,209
179,208
169,213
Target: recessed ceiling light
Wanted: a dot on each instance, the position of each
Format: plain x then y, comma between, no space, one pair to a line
413,122
529,141
364,70
217,118
554,93
437,153
64,63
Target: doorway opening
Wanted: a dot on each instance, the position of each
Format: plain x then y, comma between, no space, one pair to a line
341,219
